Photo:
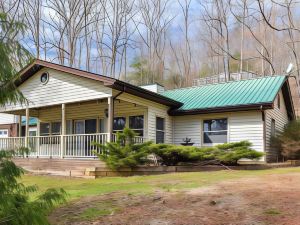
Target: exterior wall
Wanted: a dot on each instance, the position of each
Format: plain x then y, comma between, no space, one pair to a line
61,88
153,110
241,126
11,128
7,118
281,119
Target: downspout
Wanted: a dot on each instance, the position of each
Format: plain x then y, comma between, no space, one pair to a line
124,88
264,129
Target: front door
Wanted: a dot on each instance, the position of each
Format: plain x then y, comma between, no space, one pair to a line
79,144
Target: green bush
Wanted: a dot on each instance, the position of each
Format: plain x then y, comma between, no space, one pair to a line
288,141
123,152
229,154
16,207
171,155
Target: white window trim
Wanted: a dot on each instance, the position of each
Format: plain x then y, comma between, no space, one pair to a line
202,132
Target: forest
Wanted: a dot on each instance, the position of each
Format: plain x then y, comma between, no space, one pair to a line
171,42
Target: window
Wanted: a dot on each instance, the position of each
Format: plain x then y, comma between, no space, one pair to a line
91,126
4,133
119,123
215,131
44,129
101,125
136,123
278,101
69,127
273,128
44,78
55,128
160,130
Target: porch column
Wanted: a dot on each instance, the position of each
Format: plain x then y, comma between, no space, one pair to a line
63,130
27,128
20,125
110,119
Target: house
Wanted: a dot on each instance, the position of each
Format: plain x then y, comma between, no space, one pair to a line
8,125
75,107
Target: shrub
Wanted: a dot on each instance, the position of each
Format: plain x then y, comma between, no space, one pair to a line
230,153
288,141
15,204
171,155
123,152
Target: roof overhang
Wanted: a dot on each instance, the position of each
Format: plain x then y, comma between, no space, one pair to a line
37,65
235,108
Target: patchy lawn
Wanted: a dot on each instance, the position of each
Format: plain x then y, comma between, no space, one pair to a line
223,197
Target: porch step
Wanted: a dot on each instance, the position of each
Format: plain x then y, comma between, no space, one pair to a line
59,167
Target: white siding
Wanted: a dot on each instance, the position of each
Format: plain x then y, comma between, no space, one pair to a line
241,126
61,88
281,119
154,110
7,118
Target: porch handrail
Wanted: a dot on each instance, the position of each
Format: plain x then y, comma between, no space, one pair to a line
69,145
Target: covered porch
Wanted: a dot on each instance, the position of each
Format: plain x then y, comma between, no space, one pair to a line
68,130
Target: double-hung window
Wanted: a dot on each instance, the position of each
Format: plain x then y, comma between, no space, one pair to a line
136,123
44,129
56,128
119,124
215,131
160,130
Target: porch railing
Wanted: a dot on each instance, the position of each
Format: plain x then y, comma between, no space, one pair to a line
61,146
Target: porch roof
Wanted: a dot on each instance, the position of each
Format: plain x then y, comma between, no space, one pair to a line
231,96
113,83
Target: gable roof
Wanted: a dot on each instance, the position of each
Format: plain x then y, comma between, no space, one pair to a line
256,93
253,94
116,84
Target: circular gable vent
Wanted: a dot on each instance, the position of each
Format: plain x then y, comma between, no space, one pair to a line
44,78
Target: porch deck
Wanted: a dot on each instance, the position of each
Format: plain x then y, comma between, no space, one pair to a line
61,146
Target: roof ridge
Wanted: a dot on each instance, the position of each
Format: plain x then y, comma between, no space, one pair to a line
232,81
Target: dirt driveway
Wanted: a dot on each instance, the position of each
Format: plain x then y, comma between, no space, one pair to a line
269,199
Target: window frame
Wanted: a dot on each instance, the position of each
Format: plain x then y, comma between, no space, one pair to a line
158,130
215,131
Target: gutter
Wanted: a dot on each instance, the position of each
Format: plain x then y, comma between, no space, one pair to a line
248,107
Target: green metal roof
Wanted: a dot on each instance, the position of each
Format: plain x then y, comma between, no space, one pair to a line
233,93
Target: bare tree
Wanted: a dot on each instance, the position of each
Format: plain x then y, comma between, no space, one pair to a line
152,29
216,17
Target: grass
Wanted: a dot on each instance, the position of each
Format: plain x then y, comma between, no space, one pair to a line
272,212
138,185
77,188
